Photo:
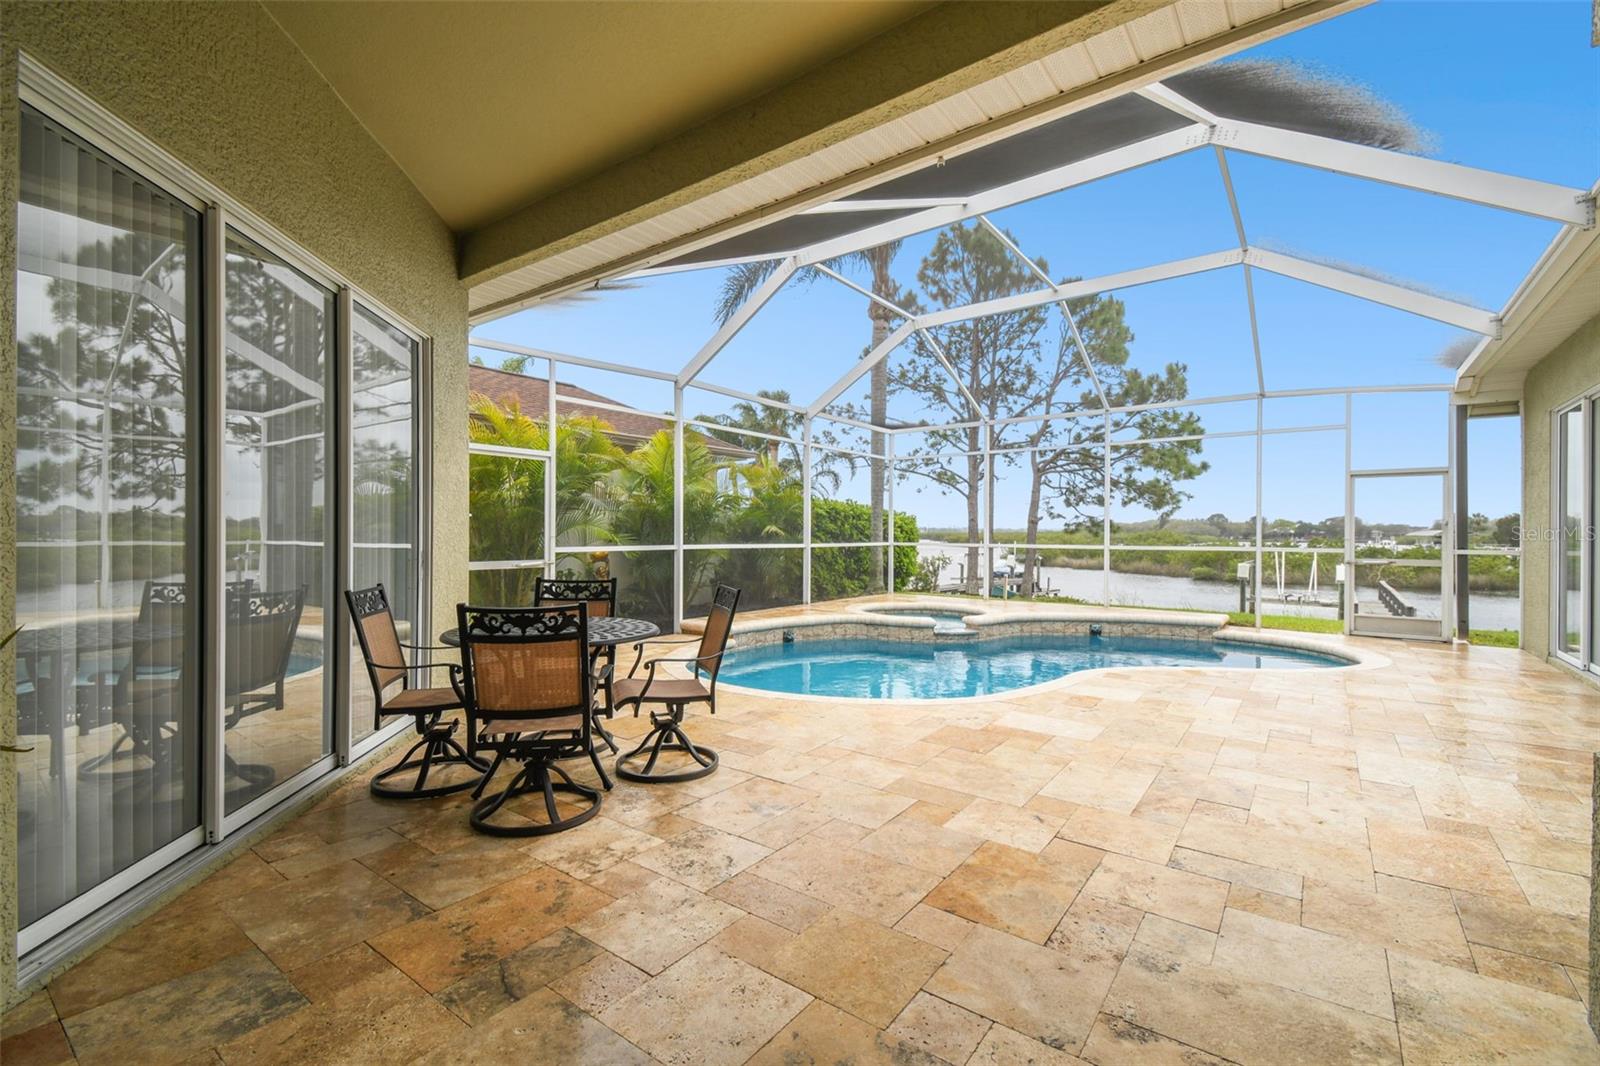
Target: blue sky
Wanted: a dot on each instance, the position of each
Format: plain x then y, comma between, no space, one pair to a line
1513,87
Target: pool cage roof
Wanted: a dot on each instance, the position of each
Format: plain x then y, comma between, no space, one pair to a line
1238,108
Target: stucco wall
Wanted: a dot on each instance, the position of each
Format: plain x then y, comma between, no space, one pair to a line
1570,370
219,86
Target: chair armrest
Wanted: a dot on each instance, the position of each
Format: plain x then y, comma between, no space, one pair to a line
638,646
427,647
697,661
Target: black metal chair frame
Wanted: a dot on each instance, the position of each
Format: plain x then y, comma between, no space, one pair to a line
539,751
556,591
436,737
666,727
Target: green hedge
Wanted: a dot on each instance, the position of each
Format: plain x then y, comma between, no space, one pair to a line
837,572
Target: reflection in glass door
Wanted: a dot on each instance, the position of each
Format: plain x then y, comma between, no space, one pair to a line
383,480
107,660
1571,441
277,491
1396,582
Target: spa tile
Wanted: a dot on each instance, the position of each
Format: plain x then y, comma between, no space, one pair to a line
824,1035
541,1029
1347,972
598,983
1008,889
1016,827
1043,993
935,848
591,848
174,941
1448,1015
848,877
1400,915
773,902
943,1029
490,989
187,1014
1240,1019
1120,833
657,925
1500,923
706,1010
702,858
449,944
858,965
298,922
1175,894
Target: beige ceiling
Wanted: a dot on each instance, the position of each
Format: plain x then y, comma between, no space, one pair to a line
490,106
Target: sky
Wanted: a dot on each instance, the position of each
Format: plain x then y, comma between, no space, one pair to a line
1511,87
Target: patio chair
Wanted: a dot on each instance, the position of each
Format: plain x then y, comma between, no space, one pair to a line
674,694
527,683
436,747
600,596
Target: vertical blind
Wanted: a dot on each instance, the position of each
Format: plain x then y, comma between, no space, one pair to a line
107,663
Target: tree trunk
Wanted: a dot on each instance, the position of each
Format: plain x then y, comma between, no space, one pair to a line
880,411
1030,563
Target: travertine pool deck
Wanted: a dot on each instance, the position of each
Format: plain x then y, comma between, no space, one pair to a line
1383,863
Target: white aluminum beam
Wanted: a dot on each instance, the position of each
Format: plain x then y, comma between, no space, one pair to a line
944,361
1463,316
1575,207
571,360
738,320
1087,287
866,363
1072,322
1178,104
909,204
864,291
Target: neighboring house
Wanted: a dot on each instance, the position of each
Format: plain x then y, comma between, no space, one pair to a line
629,428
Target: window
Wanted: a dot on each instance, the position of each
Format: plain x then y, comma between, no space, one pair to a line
107,401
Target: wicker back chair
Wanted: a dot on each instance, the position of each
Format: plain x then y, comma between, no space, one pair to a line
436,752
527,683
599,595
673,694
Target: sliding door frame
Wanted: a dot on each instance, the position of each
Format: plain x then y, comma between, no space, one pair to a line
1587,405
54,935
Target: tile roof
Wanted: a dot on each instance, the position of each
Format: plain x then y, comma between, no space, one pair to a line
531,395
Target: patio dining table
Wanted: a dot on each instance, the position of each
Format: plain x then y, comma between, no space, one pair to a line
603,632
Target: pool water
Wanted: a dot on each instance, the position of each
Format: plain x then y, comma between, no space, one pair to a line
891,669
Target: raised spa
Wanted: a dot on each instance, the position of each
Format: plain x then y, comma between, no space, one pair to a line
900,670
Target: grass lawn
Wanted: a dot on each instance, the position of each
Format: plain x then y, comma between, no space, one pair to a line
1495,638
1287,621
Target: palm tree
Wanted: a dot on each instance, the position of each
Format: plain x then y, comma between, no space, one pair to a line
745,278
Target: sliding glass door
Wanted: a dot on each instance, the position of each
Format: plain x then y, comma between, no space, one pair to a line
1569,555
276,509
107,519
192,501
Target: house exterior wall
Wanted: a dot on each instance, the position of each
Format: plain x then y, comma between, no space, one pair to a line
220,87
1570,370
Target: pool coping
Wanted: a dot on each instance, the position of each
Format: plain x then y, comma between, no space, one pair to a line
1197,625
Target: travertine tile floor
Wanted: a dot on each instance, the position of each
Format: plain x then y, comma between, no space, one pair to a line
1151,866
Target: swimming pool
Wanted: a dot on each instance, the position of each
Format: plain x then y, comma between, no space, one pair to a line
892,669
